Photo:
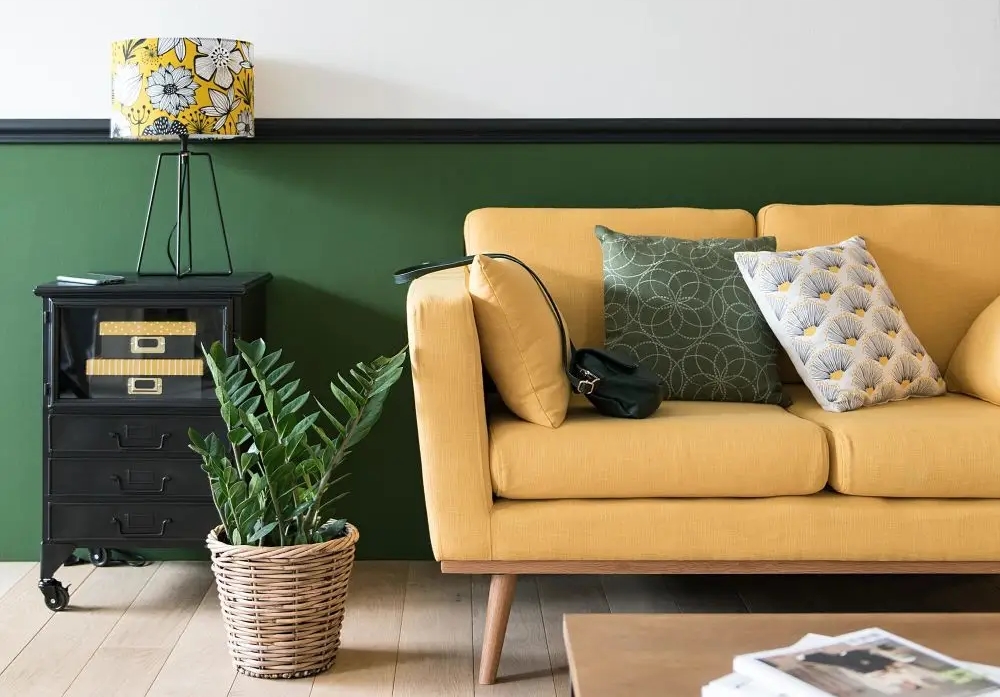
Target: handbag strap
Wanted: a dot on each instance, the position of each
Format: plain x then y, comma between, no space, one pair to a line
411,273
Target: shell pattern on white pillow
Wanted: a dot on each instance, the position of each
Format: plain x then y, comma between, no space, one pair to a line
832,311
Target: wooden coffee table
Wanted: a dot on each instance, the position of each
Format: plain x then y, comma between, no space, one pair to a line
674,655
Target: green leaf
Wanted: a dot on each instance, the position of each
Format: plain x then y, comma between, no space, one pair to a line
329,415
217,357
313,466
304,425
262,532
235,380
252,422
286,391
242,393
358,398
294,405
257,485
275,376
238,436
217,372
266,440
349,406
231,414
268,362
286,425
361,377
251,405
370,416
297,447
197,442
215,447
303,506
273,402
252,352
232,363
323,436
247,461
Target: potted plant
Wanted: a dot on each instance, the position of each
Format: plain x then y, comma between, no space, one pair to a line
281,558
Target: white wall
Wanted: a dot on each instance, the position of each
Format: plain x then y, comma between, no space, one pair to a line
536,58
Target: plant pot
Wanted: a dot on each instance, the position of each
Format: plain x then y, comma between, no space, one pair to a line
283,606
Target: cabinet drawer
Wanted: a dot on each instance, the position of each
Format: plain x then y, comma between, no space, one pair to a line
71,522
128,435
127,478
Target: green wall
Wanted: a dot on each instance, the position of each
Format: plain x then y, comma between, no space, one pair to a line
332,222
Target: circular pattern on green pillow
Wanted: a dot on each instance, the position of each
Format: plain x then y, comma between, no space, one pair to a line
682,309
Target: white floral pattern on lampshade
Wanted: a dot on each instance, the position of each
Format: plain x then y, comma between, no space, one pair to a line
163,88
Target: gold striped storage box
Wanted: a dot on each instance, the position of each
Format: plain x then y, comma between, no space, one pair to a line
146,359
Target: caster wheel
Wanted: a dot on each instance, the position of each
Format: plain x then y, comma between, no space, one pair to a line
99,556
56,594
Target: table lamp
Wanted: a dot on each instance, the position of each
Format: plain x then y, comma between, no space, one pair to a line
182,89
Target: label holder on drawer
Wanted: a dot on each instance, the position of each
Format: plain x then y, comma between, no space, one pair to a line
148,344
145,386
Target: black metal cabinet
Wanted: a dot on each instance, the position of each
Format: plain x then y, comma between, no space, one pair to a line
124,380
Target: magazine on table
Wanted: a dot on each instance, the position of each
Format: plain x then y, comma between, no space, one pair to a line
868,663
736,685
740,685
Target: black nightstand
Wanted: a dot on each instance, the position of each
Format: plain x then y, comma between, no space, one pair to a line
124,379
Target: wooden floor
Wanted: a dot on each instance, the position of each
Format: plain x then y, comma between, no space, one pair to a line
409,629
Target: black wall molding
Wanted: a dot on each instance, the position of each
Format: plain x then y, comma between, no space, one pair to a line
54,131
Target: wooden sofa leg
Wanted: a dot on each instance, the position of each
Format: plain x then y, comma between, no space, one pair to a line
497,613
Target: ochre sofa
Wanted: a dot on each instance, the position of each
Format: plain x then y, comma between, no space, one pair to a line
911,486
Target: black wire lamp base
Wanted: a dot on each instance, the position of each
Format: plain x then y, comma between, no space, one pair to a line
182,226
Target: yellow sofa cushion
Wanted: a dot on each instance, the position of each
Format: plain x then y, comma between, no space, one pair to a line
975,366
946,447
824,526
559,245
519,340
685,449
940,261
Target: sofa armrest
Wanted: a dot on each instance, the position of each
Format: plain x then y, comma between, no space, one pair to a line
451,415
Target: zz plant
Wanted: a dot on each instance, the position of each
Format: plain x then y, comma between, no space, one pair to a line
276,479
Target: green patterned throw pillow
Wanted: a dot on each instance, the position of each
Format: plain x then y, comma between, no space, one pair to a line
681,308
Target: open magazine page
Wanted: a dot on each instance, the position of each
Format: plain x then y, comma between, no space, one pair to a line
736,685
869,663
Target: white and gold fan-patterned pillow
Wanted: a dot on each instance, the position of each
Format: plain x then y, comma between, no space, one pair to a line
832,311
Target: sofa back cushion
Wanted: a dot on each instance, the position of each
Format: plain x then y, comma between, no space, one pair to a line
940,261
560,246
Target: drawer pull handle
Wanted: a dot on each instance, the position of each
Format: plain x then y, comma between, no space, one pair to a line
141,530
148,344
145,386
141,489
118,441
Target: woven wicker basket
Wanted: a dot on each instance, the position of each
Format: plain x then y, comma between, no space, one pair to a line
283,606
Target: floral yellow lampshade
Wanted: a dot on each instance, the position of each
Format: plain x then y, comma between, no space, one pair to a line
164,88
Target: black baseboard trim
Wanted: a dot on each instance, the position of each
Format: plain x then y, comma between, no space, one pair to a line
553,131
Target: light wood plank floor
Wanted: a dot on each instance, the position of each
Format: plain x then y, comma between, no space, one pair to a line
409,630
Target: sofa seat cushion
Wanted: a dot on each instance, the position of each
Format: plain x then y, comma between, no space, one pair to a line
823,527
686,449
946,447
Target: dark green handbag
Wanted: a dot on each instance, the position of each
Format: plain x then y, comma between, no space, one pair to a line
615,385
